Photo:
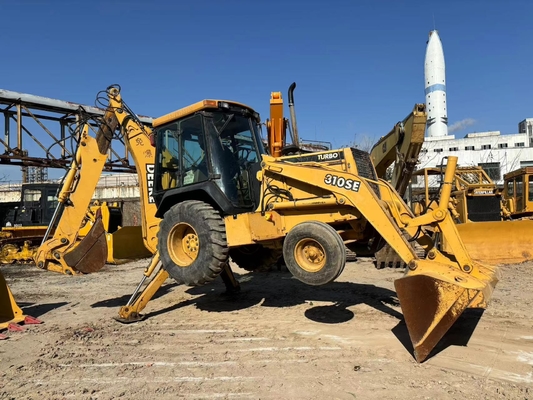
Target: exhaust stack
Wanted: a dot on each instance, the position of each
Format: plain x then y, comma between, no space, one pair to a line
295,139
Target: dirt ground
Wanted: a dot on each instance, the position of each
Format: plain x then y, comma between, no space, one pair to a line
278,339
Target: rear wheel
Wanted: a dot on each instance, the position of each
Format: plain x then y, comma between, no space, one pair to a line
255,257
192,243
314,253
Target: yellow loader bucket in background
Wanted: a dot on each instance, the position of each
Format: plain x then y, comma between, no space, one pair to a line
497,242
433,296
10,312
126,244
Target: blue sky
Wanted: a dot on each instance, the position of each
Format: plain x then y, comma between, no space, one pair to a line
358,64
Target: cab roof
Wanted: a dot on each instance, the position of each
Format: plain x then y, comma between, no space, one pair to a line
199,106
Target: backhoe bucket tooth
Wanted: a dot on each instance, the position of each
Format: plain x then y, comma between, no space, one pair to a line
10,312
90,254
433,296
497,242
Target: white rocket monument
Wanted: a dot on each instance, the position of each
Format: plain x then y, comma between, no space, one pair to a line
435,85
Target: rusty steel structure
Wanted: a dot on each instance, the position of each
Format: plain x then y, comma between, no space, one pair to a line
42,132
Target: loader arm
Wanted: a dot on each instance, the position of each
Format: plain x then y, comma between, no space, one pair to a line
401,146
434,291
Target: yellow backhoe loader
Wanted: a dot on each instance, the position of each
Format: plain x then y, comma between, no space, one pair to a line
217,191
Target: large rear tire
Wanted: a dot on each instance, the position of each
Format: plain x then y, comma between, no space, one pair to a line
255,257
314,253
192,243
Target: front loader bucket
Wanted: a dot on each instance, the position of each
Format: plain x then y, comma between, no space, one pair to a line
497,242
126,244
90,254
10,312
434,295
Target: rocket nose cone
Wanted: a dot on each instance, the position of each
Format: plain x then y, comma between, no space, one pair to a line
434,50
434,39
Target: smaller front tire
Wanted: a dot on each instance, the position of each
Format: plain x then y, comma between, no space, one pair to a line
314,253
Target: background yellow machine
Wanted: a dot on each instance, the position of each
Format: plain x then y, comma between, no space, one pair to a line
476,204
491,226
19,241
518,193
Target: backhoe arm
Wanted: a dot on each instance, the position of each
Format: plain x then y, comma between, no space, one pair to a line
276,126
63,252
401,145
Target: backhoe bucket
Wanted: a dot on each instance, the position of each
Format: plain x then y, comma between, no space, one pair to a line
10,312
90,254
497,242
126,244
434,295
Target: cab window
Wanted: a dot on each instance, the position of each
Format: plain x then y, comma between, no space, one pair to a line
510,188
182,160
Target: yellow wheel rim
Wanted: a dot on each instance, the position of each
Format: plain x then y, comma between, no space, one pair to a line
183,244
310,255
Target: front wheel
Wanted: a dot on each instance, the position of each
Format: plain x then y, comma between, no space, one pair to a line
314,253
192,243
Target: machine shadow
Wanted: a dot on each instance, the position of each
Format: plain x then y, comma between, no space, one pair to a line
122,300
458,335
278,289
36,310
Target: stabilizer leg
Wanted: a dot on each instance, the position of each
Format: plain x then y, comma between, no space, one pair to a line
232,284
137,302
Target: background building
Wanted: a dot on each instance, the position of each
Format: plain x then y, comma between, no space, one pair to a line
495,153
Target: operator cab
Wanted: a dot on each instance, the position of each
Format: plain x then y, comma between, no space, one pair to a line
212,151
37,205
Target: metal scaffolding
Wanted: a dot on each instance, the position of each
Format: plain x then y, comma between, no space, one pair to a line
34,174
40,132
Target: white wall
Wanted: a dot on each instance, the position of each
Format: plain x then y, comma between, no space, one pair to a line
110,186
509,157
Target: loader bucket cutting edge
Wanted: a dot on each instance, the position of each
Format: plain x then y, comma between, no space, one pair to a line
432,299
90,254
